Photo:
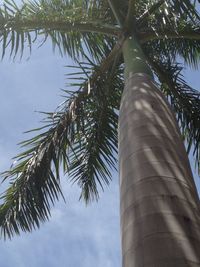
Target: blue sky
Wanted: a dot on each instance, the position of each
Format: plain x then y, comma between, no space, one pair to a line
76,235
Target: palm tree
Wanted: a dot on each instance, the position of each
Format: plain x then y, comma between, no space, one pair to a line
113,42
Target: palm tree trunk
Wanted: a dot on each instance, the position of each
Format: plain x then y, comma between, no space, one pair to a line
159,204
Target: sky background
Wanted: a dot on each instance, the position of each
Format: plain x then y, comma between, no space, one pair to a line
76,235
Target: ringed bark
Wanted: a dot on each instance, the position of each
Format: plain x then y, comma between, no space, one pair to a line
159,203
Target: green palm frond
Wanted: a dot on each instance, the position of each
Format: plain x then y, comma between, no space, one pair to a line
71,26
33,183
161,15
185,9
188,50
95,147
81,135
146,10
182,41
184,100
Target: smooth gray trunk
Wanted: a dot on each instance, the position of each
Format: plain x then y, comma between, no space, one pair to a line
159,204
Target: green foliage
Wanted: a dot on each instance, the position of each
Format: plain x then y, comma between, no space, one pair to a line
165,13
95,145
70,25
186,48
184,100
81,135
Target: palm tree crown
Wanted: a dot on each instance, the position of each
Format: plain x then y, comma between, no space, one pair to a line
82,134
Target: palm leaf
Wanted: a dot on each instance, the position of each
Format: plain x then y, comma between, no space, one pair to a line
95,146
33,184
184,100
186,49
79,132
71,26
160,16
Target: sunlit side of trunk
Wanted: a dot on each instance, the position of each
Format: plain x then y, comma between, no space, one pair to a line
159,204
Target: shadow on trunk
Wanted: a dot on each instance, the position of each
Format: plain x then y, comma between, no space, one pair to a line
159,204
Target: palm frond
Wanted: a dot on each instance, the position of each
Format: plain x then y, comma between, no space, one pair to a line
34,185
95,147
81,135
184,100
150,9
71,26
186,49
182,41
160,16
185,9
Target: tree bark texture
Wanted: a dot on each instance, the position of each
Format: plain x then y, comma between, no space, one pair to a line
159,204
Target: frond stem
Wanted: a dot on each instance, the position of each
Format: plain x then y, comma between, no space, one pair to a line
115,9
131,14
106,63
62,27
